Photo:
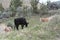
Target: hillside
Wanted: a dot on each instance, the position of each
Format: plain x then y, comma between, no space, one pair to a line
36,30
44,24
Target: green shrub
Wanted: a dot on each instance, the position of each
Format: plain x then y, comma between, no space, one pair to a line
1,7
43,10
54,23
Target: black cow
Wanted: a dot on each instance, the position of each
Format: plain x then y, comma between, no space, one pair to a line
20,21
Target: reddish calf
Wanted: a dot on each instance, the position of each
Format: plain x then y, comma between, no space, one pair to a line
44,19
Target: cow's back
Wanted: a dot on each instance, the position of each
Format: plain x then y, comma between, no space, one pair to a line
20,20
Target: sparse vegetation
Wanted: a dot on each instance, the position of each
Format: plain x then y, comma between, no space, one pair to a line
36,29
43,10
34,5
14,4
54,23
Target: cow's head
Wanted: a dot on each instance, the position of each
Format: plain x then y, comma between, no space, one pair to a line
26,24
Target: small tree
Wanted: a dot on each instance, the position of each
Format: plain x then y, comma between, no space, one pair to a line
24,10
48,4
43,9
14,4
1,7
34,5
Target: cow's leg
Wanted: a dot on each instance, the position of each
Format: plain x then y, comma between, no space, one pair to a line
25,25
17,27
22,26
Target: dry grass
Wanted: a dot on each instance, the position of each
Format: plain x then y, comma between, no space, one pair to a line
35,31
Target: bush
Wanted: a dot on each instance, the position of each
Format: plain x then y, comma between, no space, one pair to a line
54,23
34,4
10,24
4,15
43,10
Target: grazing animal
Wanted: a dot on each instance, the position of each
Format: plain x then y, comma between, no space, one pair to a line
7,29
44,19
20,21
47,19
